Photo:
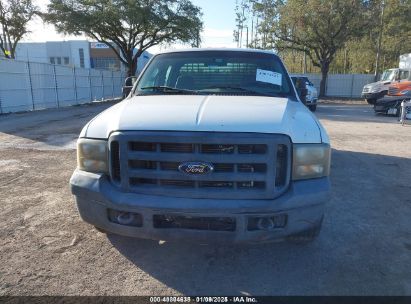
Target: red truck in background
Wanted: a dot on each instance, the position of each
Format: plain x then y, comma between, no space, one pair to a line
399,88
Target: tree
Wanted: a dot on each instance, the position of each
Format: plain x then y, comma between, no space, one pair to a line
396,31
241,12
14,17
385,38
318,28
126,25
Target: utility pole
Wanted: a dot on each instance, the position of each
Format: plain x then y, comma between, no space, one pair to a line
241,29
377,60
252,32
246,41
256,33
345,60
305,62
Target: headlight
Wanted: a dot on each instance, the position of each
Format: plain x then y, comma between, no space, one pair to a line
311,161
405,92
92,155
375,90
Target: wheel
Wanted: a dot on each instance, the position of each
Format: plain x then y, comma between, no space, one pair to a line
100,230
307,236
312,108
371,101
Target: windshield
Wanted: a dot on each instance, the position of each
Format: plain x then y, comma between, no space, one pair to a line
388,75
216,72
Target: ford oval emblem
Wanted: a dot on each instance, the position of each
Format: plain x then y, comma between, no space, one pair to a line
195,168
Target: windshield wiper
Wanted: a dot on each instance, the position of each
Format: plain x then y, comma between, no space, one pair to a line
167,89
245,90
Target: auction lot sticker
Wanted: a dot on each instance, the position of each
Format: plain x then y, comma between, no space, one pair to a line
268,77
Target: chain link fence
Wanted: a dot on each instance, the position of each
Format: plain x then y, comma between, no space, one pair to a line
28,86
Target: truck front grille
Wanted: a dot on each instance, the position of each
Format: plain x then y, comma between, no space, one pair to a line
246,165
115,160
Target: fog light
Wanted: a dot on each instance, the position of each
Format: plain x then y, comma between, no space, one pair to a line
125,218
267,223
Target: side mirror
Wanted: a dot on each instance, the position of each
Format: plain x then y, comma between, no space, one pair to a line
128,85
302,91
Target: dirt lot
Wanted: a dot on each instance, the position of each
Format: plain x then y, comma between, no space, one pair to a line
364,247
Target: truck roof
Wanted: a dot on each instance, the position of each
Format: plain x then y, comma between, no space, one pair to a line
218,49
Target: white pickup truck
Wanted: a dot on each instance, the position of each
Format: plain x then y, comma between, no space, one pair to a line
210,145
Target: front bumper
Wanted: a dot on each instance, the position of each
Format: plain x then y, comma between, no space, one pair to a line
312,101
303,204
372,96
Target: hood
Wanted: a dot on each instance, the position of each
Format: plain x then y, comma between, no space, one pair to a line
377,84
401,85
208,113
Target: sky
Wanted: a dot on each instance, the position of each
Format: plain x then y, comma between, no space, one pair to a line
218,18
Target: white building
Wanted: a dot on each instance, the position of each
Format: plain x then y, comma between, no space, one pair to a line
75,53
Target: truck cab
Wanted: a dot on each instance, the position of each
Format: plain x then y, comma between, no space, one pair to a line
211,145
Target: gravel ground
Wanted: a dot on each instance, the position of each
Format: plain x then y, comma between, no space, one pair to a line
363,249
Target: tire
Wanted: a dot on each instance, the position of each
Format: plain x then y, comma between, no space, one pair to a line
312,108
371,101
307,236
